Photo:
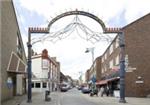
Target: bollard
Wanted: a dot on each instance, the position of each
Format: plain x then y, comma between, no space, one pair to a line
47,93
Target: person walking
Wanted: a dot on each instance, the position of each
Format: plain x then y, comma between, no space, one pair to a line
107,91
102,91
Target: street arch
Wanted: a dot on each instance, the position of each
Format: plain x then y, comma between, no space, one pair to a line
105,30
76,12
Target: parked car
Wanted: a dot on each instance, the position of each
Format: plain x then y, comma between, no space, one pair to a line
64,89
79,87
86,90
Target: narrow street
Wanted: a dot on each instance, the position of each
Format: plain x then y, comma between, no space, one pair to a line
74,97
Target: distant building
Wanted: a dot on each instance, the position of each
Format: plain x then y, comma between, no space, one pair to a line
137,57
93,74
69,80
12,54
63,78
87,79
46,71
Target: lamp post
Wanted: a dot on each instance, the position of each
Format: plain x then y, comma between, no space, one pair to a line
122,67
92,52
122,60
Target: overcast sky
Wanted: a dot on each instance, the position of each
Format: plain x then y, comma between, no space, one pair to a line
70,52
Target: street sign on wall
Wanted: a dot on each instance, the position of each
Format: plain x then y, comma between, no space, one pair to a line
9,82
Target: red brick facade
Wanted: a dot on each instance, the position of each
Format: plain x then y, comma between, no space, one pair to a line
137,60
137,37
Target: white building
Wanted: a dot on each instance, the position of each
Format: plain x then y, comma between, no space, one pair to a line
46,72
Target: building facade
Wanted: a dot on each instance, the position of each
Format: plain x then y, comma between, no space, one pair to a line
94,73
87,76
13,59
137,57
46,72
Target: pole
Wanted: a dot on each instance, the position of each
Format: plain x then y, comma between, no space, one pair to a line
32,30
29,68
92,51
122,67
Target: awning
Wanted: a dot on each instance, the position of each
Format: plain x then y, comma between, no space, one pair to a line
16,65
102,82
113,79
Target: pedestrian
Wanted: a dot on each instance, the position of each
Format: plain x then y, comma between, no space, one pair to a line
102,91
107,91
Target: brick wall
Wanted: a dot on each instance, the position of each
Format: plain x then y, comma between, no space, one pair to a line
137,38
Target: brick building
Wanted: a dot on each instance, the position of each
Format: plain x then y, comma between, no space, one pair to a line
137,37
87,76
93,74
137,57
13,59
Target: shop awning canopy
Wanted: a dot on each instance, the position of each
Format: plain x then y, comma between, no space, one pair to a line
113,79
103,82
16,65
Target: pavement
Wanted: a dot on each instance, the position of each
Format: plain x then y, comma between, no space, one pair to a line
39,99
115,101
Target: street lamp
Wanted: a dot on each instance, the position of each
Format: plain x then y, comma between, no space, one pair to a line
122,60
92,52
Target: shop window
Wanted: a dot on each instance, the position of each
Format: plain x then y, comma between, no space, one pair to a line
44,84
37,85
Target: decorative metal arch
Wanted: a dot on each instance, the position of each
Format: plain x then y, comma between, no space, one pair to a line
76,12
46,30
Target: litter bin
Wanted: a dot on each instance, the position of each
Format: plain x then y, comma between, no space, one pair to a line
47,93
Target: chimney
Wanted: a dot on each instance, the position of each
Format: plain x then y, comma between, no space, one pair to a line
44,54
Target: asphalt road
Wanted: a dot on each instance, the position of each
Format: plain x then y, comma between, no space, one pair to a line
74,97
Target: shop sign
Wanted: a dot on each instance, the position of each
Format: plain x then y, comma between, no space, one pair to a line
139,81
9,82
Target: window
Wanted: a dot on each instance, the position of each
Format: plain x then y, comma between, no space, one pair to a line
102,60
19,47
111,48
32,84
44,84
45,64
105,68
111,64
37,85
117,42
102,70
105,55
117,60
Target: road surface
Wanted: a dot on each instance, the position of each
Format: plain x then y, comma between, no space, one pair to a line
74,97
